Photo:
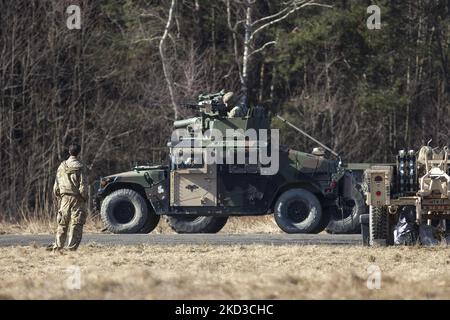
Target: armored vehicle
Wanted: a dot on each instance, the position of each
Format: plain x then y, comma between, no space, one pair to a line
410,199
221,167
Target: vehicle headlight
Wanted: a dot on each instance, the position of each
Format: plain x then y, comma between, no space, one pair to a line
105,181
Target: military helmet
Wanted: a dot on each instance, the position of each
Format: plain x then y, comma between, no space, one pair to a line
320,152
229,99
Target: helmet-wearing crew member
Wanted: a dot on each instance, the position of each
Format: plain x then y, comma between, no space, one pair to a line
234,111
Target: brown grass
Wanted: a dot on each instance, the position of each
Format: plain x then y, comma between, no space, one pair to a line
43,226
265,224
225,272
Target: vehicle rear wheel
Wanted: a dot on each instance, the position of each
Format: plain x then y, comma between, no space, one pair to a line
379,227
347,220
126,211
298,211
196,224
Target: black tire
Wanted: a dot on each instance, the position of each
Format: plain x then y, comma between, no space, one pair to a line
379,227
152,221
298,211
324,221
126,211
347,221
196,224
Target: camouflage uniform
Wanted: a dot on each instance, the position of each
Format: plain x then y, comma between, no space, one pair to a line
71,190
229,100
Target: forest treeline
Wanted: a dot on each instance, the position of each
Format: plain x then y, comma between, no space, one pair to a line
116,84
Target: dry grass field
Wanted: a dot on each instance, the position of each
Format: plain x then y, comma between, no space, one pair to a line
220,272
264,224
225,272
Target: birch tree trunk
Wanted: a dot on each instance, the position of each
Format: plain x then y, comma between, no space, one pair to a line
167,75
245,58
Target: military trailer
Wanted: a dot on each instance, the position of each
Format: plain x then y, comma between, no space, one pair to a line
203,184
410,200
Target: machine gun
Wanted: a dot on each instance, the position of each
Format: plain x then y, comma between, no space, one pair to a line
212,96
209,103
212,107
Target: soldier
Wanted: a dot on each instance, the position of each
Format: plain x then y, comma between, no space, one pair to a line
71,191
230,101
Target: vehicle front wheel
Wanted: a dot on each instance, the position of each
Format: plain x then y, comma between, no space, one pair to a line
152,221
299,211
196,224
126,211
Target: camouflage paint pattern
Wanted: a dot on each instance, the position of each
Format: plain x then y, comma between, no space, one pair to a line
71,219
240,189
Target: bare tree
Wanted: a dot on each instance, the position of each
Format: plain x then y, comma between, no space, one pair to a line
102,86
254,27
167,75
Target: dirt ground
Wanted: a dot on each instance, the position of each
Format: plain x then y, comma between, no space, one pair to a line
263,224
225,272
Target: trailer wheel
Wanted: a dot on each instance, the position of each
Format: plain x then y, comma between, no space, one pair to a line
298,211
347,220
379,227
196,224
126,211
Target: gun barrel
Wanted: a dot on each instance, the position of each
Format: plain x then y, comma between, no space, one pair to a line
194,106
184,123
211,96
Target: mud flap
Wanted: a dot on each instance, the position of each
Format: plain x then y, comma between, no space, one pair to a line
364,221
